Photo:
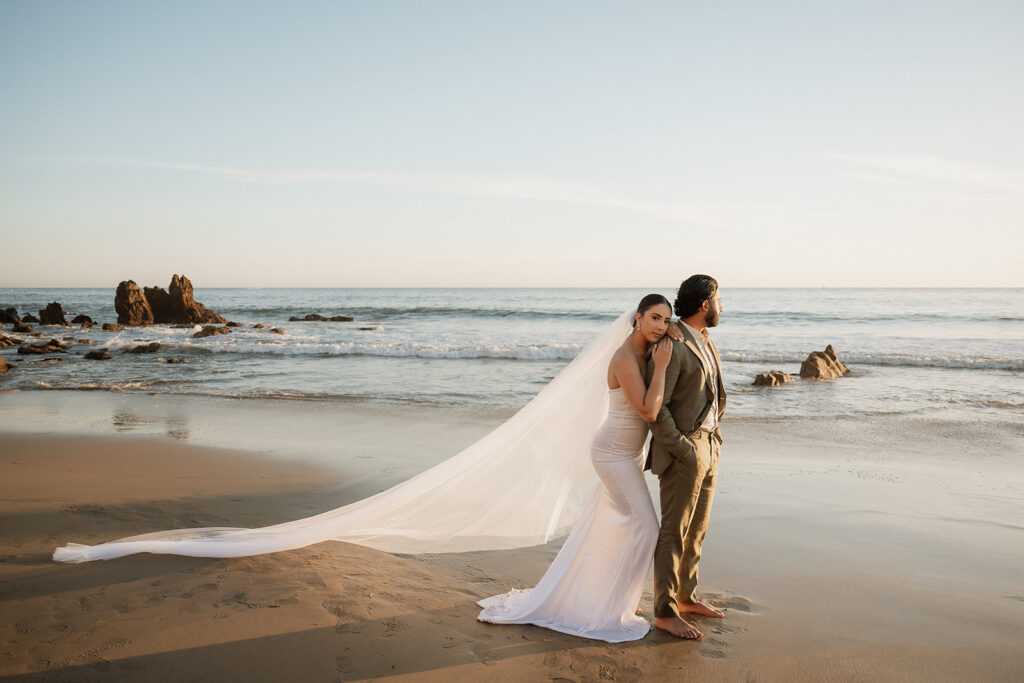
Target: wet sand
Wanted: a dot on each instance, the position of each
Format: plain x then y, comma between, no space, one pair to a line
887,549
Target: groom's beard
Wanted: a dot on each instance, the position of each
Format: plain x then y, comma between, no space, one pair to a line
711,317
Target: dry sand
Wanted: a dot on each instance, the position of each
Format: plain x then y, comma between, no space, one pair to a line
839,559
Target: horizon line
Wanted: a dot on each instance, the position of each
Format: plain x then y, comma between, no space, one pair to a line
397,287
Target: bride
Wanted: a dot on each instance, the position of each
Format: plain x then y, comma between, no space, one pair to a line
523,484
593,587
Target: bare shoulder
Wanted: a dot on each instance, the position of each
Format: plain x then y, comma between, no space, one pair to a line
622,356
624,360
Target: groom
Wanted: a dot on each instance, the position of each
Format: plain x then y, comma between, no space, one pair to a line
685,444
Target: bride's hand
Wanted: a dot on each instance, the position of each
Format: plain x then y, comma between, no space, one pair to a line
662,352
674,333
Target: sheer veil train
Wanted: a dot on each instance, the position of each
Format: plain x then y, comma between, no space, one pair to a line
522,484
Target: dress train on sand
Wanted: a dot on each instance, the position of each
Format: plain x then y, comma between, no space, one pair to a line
594,585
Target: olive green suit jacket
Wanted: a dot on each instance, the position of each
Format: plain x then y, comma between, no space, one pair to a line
688,398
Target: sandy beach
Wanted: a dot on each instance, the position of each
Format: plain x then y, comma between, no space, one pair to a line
385,270
886,549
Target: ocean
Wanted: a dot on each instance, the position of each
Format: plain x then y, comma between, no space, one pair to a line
956,353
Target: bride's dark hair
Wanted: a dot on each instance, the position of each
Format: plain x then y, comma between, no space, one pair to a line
650,301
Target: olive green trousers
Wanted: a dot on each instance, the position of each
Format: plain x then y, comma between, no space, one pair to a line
687,487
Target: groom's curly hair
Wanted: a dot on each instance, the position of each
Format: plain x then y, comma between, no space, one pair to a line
694,291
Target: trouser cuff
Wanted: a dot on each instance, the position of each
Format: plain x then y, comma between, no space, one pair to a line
666,610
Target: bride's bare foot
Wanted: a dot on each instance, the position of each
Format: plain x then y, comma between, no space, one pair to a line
701,608
678,627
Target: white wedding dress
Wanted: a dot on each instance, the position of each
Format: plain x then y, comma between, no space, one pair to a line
525,483
594,584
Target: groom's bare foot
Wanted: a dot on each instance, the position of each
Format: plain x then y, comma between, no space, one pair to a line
678,627
701,608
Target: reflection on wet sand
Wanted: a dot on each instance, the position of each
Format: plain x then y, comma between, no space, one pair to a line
174,426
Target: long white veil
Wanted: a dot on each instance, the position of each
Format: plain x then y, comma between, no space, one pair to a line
523,484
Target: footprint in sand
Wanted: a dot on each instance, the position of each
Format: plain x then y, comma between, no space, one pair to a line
713,654
393,626
342,665
731,601
204,588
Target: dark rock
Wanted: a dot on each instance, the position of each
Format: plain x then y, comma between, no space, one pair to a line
131,305
176,360
9,315
823,365
366,329
259,326
151,347
111,327
81,320
319,318
29,318
98,354
772,379
277,330
23,328
211,330
49,347
53,314
6,342
85,341
233,324
177,306
3,366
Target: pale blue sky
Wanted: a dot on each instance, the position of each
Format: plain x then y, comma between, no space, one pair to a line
512,144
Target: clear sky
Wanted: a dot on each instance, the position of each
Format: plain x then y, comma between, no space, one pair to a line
519,143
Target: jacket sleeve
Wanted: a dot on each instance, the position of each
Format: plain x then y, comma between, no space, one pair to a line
664,431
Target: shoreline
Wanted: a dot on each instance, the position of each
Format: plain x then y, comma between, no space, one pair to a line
878,550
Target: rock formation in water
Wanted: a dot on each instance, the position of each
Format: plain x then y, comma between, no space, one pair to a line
53,314
131,305
823,365
154,306
49,347
151,347
211,330
772,379
316,317
177,306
